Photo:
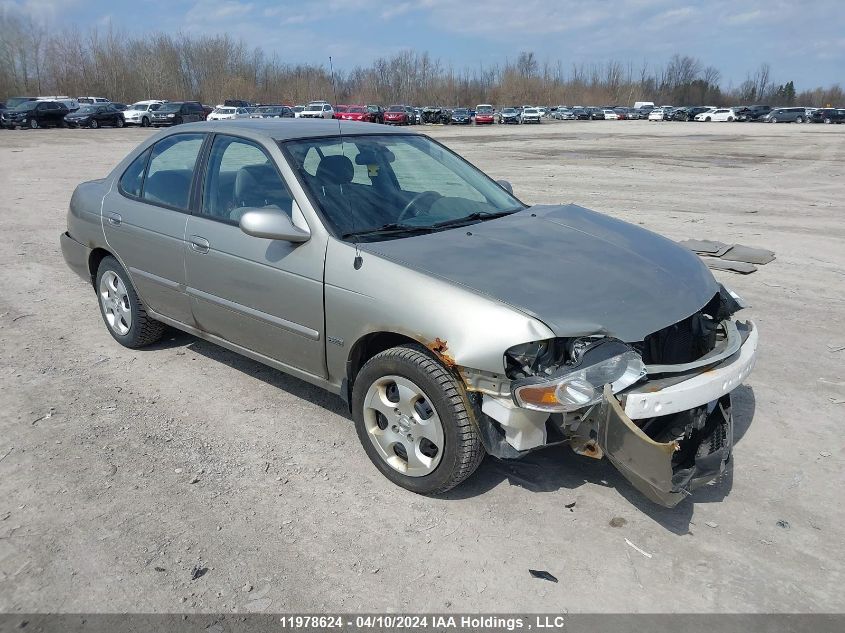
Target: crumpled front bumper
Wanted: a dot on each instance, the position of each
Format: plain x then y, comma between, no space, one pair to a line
687,435
666,472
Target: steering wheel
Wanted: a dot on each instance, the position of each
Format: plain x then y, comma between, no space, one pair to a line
406,211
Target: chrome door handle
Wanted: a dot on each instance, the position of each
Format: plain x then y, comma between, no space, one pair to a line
114,218
199,244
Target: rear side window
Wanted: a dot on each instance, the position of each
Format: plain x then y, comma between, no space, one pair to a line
171,170
132,180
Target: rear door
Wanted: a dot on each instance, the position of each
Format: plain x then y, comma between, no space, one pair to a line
144,219
261,294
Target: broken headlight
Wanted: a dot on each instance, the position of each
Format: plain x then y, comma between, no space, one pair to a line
580,383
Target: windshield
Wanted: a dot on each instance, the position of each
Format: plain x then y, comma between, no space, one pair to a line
170,107
26,105
508,111
314,108
356,110
224,110
396,109
380,187
89,109
269,110
14,102
461,111
139,106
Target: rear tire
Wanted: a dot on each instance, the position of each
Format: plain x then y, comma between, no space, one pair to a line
33,124
94,124
123,313
426,394
800,119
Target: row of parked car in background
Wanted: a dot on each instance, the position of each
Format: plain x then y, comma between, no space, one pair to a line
94,112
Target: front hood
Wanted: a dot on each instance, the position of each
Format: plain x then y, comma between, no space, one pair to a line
578,271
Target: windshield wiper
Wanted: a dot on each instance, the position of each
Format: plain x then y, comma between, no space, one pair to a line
386,229
472,217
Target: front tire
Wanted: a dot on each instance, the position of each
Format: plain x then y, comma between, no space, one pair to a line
119,122
145,122
799,119
33,124
123,313
414,421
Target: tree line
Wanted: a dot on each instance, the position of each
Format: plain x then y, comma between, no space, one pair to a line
105,62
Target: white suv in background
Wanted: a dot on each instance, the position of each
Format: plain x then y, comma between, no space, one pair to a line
222,113
317,110
530,115
140,113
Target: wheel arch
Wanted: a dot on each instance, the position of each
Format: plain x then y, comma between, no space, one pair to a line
95,259
364,349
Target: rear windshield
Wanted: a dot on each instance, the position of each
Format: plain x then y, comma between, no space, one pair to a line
396,109
356,110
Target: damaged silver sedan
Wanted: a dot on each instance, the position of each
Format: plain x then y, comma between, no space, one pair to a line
453,319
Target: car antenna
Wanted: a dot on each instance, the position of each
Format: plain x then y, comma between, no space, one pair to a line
358,261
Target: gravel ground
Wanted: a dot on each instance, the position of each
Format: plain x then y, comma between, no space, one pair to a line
122,472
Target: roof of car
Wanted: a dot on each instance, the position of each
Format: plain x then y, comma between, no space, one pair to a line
288,129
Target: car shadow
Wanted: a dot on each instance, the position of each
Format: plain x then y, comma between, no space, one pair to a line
558,468
273,377
548,470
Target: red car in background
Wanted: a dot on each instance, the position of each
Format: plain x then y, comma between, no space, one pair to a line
338,110
357,113
396,115
484,114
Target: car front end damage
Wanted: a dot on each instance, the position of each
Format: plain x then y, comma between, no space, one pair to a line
659,409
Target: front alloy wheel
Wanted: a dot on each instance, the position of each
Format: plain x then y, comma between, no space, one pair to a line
33,124
414,421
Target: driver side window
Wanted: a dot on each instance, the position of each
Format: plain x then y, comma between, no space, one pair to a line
241,176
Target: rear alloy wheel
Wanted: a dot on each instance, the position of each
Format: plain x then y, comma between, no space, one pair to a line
414,421
828,121
122,310
94,124
708,119
773,120
800,119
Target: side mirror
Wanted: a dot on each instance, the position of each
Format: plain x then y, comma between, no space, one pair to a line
504,184
273,224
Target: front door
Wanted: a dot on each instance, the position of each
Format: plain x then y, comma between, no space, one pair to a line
264,295
145,216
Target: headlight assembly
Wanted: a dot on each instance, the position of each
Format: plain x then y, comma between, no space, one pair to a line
575,386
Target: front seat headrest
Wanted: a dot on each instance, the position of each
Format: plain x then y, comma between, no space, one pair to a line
335,170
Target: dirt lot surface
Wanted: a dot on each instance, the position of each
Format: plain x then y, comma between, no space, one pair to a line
120,470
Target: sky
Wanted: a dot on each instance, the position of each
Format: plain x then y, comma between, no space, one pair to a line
802,40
